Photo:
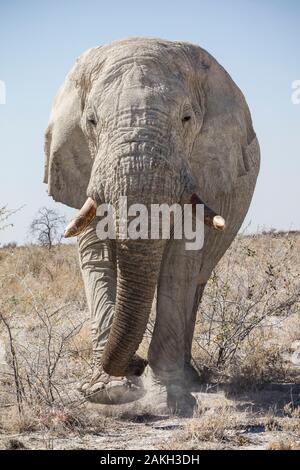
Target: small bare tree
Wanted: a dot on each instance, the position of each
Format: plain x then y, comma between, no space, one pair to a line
47,227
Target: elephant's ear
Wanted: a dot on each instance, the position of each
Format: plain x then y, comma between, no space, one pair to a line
226,147
68,161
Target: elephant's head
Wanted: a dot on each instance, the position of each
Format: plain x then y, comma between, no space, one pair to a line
135,118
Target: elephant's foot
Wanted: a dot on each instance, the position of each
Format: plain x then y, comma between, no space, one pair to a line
180,402
108,390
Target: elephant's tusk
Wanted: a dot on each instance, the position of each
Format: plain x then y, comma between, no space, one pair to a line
82,219
210,217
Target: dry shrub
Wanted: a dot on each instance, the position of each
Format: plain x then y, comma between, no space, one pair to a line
257,364
43,319
253,290
42,360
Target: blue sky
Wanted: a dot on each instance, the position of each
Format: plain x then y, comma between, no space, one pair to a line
257,41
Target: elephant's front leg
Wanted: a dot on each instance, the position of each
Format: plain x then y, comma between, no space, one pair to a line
178,294
98,267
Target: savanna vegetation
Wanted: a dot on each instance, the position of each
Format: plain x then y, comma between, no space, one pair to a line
246,345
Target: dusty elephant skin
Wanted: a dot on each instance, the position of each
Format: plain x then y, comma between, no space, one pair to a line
155,121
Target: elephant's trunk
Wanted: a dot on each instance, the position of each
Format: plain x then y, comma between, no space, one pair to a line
138,269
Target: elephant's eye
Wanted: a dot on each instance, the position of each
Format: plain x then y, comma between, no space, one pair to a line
186,119
92,121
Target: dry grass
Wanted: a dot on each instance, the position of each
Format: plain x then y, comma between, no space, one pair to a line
225,426
212,426
284,445
218,427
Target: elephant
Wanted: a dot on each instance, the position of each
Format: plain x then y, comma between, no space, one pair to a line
159,122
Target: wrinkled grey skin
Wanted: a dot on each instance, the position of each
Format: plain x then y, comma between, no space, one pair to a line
150,119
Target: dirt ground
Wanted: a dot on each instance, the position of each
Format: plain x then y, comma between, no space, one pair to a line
262,419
